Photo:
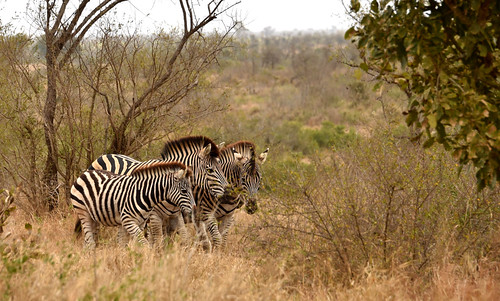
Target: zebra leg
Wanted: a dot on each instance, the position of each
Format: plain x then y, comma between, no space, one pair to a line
155,228
175,225
201,235
213,229
89,228
132,227
226,223
182,230
122,237
170,226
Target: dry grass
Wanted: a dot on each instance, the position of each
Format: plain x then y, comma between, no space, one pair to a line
48,263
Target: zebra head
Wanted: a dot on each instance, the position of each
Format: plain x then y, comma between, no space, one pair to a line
179,191
202,155
249,176
209,173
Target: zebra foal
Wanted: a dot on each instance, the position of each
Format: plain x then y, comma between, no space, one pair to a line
102,197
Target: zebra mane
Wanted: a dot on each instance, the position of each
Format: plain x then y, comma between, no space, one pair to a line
162,165
247,149
197,142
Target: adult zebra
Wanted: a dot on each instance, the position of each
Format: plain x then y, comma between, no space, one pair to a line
241,168
198,152
245,175
102,197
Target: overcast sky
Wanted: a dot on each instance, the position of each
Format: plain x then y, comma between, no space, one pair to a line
281,15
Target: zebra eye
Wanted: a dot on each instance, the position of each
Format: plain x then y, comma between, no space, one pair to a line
210,170
184,191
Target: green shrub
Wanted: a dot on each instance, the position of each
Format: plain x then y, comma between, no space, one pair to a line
298,138
380,202
295,137
332,135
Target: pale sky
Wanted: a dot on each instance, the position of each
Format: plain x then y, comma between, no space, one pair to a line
281,15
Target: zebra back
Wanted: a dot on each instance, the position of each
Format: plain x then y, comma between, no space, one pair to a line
118,164
121,164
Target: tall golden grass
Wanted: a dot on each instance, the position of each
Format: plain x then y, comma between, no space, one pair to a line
46,262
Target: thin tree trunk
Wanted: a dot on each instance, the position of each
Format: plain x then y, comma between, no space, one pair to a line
50,173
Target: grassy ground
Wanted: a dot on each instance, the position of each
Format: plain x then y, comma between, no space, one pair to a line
48,263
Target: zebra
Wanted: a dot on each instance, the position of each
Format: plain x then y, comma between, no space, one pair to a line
102,197
242,170
199,153
121,164
245,175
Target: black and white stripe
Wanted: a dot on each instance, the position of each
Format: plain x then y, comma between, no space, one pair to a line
200,153
242,170
102,197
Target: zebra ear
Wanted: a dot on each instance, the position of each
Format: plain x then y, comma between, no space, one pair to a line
263,156
179,174
205,152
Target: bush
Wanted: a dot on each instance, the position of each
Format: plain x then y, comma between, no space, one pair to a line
308,140
382,202
292,134
332,135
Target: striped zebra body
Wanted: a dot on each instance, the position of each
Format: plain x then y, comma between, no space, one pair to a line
242,170
124,165
102,197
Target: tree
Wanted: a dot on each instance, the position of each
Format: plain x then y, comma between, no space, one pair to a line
64,30
446,56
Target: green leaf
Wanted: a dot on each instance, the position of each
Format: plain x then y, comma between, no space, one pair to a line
349,33
28,226
475,28
362,42
364,66
489,106
429,142
483,50
355,5
432,120
374,6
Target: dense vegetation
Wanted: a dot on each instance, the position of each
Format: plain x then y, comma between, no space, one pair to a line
350,206
446,56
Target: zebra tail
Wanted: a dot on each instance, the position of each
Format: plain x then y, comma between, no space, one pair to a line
78,228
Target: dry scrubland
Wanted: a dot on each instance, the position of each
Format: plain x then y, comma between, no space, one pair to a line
47,263
350,208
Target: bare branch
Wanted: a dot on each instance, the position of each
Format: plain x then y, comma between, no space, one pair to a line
86,24
59,16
